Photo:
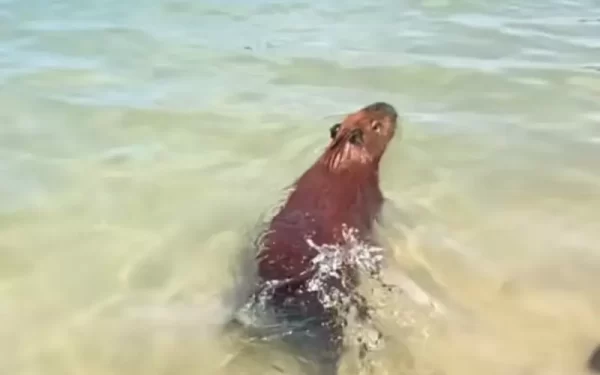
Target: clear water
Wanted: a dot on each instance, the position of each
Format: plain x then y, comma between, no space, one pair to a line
141,142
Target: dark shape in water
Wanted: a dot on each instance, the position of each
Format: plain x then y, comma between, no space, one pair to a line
340,190
594,360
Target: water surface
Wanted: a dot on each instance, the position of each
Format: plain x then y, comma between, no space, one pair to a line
140,143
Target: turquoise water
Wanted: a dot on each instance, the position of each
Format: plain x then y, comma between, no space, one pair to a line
141,141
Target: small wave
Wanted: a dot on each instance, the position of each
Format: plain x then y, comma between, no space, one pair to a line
328,281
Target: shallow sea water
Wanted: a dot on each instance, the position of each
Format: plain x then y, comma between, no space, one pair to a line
141,143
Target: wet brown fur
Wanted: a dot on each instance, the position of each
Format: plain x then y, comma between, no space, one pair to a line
340,188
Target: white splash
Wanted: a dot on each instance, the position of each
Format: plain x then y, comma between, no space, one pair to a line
333,260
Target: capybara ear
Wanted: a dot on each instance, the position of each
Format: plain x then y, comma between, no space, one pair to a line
594,360
334,130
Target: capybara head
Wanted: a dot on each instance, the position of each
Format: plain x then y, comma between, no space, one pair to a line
362,137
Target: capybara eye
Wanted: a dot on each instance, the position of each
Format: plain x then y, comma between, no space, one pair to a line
334,130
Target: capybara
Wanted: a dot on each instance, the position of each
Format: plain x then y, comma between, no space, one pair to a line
340,190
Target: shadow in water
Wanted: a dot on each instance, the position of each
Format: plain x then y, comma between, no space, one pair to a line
594,360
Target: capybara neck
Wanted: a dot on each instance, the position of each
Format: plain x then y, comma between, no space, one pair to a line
333,198
337,162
